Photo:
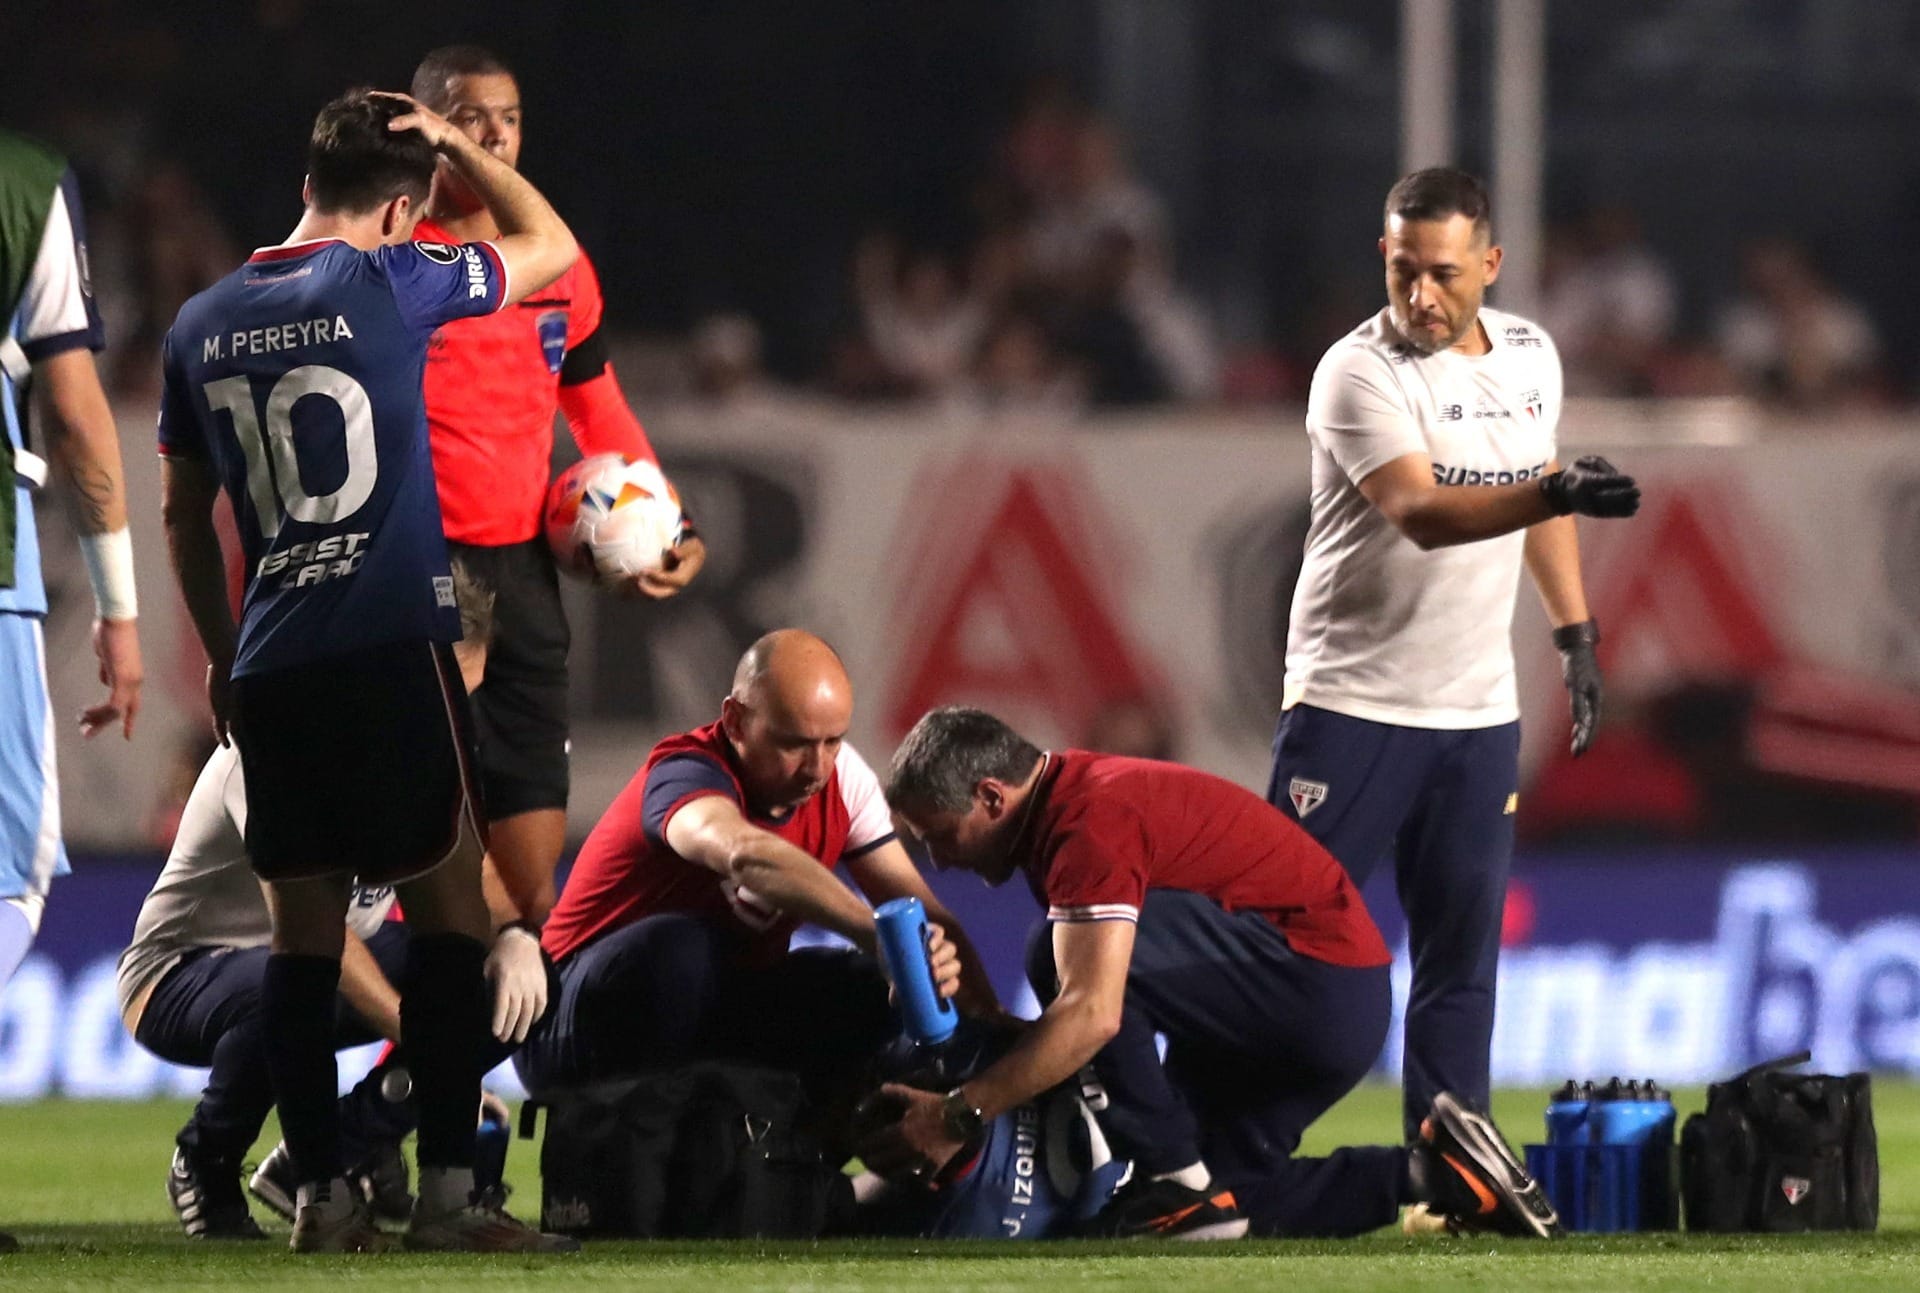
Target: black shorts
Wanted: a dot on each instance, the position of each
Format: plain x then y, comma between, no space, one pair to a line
520,708
357,765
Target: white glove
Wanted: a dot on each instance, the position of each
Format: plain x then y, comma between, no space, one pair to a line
518,974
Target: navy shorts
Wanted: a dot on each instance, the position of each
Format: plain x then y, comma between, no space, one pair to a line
358,765
520,707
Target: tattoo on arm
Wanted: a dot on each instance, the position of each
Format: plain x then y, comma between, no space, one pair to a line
93,493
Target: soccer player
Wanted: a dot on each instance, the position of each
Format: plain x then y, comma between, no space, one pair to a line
493,386
671,937
49,330
189,987
1042,1170
294,384
1435,479
1182,905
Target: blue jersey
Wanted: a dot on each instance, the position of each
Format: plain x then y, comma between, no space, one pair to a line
1043,1168
297,378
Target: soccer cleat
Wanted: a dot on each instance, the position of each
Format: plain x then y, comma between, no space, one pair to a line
1166,1209
206,1197
335,1219
1474,1178
382,1181
274,1184
483,1226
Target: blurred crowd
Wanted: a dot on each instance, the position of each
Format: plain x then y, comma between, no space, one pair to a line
1063,294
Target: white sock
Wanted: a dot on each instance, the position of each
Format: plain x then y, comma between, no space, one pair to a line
333,1198
445,1189
1194,1176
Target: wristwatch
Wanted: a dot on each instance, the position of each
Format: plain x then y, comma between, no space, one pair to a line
962,1120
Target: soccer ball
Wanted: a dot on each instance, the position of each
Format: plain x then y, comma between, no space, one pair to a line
612,518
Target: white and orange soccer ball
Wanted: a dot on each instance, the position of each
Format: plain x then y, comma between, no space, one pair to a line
612,518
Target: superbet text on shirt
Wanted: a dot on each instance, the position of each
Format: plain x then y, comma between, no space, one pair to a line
1382,630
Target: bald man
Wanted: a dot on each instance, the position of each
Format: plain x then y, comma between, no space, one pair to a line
670,939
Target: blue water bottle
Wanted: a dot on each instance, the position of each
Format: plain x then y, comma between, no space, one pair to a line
1643,1118
901,925
1567,1113
1635,1114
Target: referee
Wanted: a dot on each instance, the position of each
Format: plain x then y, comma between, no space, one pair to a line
1435,478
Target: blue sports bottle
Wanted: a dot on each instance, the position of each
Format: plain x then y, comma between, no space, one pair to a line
1641,1113
901,925
1567,1112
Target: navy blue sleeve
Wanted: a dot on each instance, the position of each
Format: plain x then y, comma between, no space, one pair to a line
181,434
671,782
436,282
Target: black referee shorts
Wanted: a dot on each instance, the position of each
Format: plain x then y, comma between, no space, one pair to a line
357,765
520,709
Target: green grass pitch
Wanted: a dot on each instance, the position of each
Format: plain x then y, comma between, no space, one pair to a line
82,1187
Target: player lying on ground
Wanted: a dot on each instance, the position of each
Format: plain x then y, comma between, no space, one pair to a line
1182,905
1041,1170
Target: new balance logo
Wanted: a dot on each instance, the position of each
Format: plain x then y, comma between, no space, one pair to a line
1306,795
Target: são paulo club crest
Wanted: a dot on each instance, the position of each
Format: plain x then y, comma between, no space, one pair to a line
1306,795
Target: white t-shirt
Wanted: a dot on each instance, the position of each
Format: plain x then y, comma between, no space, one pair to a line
1381,630
207,894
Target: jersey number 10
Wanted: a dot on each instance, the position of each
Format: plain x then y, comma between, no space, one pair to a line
273,467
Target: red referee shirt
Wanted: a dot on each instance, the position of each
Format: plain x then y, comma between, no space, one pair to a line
493,386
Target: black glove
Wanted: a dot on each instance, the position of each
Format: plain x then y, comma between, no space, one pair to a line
1591,487
1582,674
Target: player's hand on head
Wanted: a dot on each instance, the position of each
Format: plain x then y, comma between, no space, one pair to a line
117,645
436,129
682,563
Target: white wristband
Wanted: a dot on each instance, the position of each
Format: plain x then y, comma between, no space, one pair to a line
110,571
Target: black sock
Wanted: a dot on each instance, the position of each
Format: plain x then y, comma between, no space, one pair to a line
1413,1176
297,1001
371,1116
445,1017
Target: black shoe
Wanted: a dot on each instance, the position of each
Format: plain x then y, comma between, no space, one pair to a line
206,1197
1168,1210
382,1181
1471,1175
273,1183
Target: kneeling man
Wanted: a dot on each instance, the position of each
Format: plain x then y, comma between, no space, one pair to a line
1180,904
671,936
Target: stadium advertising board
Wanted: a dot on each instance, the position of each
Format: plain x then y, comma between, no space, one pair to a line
1682,967
1051,573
